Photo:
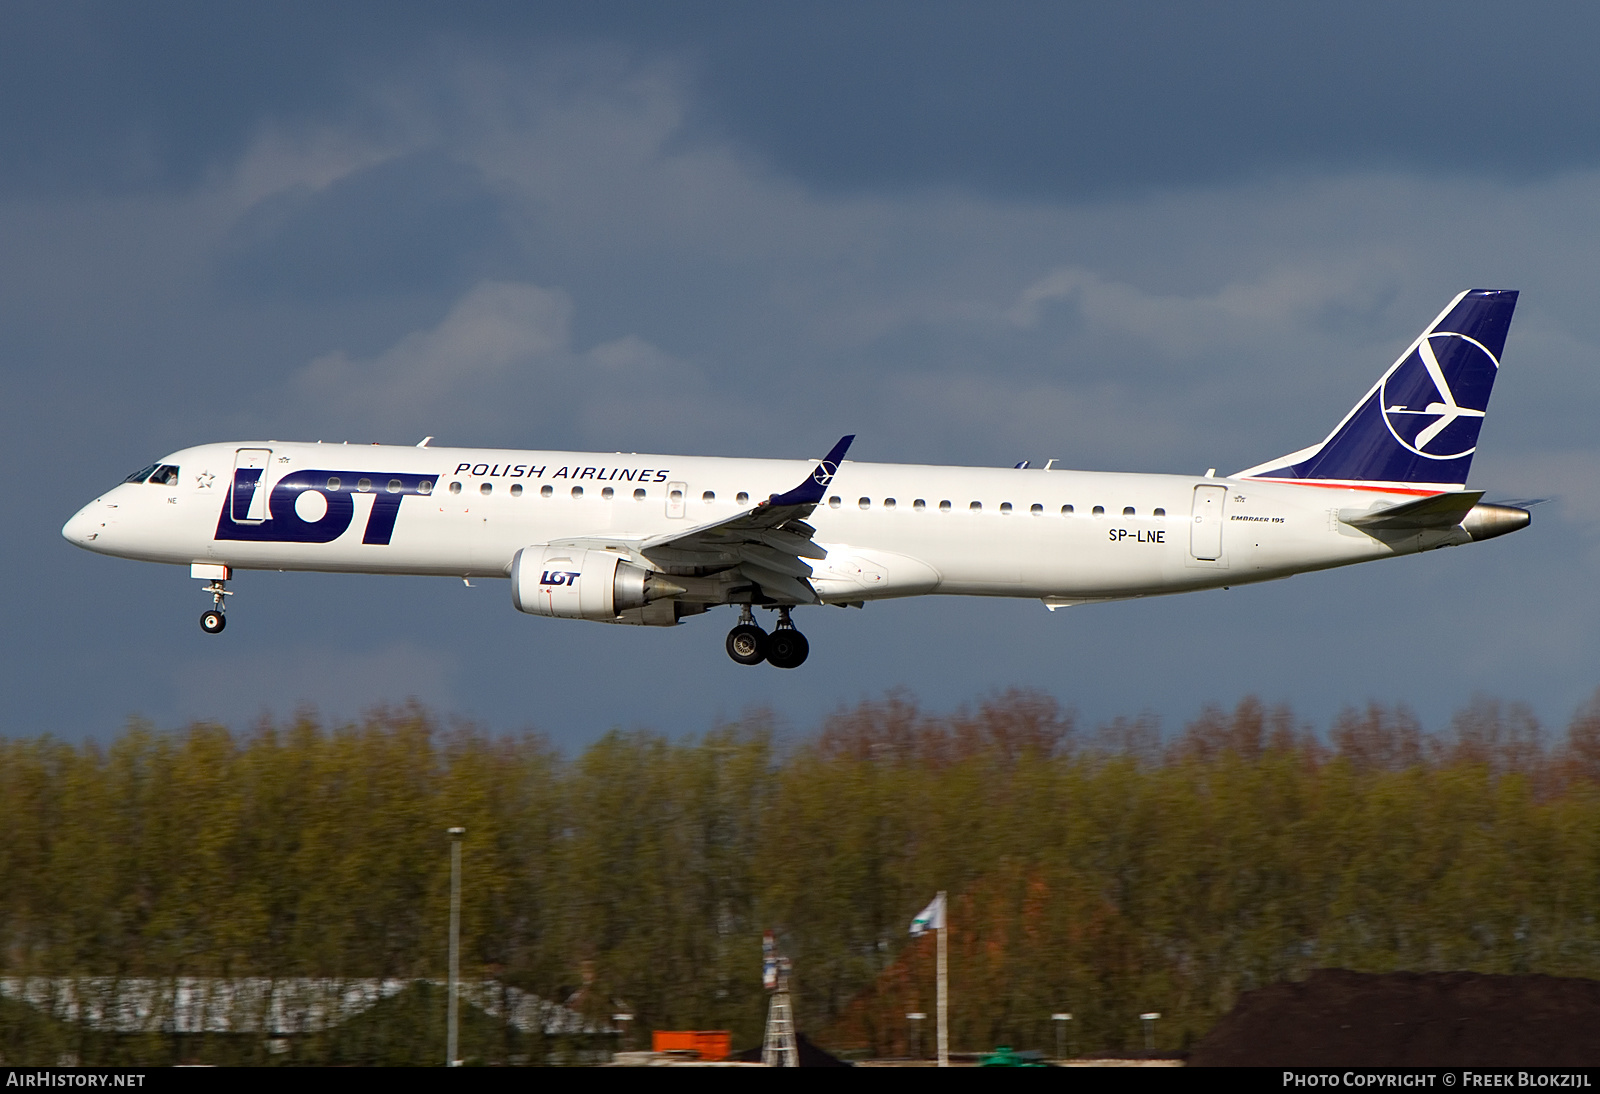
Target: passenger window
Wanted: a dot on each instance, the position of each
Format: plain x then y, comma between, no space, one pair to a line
425,486
395,486
608,493
455,488
364,485
140,476
1036,509
577,491
1099,510
676,495
833,502
888,503
516,490
1067,510
1127,511
919,505
741,498
976,507
709,496
1160,512
334,482
546,491
865,503
944,507
1005,508
638,495
165,475
486,489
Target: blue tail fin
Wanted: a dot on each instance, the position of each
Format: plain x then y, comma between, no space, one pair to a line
1418,427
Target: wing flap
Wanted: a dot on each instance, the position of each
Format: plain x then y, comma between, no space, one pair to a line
774,583
779,561
791,544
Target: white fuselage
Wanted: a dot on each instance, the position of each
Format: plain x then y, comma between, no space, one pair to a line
889,529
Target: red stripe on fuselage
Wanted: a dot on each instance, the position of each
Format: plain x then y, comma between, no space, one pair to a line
1353,486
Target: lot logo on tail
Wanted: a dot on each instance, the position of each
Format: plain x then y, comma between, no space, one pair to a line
1434,402
1417,427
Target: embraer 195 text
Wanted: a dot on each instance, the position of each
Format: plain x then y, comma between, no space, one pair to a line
624,538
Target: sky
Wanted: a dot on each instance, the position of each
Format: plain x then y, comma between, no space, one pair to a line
1141,237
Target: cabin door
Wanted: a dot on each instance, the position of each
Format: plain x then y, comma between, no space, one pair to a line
249,501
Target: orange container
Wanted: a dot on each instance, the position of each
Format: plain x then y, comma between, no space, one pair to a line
711,1044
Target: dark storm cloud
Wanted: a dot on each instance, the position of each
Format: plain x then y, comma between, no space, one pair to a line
1021,98
1073,99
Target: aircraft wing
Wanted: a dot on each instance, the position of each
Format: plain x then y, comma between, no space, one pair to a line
768,543
1438,511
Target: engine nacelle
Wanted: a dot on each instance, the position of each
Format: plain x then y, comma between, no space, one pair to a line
569,583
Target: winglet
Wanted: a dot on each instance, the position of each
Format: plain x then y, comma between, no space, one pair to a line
811,490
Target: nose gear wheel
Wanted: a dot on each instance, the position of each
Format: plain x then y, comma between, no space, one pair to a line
213,620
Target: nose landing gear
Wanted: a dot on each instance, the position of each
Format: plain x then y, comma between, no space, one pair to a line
785,647
215,619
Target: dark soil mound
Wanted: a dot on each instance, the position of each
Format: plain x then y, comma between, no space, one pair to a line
1441,1019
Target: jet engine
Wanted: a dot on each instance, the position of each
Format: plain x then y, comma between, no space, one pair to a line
570,583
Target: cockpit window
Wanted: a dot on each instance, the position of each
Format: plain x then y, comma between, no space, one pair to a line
165,475
140,476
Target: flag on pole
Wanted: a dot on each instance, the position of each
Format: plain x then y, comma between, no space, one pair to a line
930,918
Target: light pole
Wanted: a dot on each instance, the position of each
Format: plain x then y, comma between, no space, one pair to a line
1150,1030
451,1060
915,1018
1061,1021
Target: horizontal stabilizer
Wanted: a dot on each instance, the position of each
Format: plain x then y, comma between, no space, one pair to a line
1438,511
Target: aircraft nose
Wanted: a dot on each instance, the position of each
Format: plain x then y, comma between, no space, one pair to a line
86,525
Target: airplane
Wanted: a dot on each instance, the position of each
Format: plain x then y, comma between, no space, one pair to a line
653,540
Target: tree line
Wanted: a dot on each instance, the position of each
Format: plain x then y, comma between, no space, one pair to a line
1103,871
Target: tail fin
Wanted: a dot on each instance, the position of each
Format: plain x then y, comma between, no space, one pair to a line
1417,429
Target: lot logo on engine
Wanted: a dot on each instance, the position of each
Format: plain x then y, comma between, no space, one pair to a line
559,577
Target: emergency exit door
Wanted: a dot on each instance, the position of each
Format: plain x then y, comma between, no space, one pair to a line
677,498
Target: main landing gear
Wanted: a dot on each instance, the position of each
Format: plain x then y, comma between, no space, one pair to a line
214,620
785,647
